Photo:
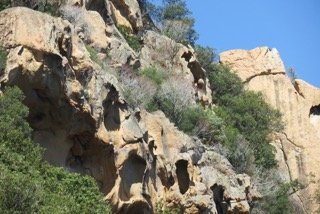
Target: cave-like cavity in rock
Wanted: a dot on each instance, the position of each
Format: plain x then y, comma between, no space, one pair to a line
183,175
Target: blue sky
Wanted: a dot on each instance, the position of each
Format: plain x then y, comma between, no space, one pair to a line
291,26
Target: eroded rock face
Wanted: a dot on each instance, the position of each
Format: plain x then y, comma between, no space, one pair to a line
298,146
140,160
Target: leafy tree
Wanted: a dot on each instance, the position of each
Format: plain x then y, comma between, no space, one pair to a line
205,55
224,83
292,74
27,183
174,20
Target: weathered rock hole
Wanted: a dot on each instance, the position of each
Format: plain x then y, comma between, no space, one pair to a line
139,207
166,178
315,111
131,176
187,56
314,116
183,175
101,7
221,205
195,68
112,109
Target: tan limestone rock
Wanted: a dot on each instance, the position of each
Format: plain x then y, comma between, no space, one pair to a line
126,12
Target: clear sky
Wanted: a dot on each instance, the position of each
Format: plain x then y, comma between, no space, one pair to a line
291,26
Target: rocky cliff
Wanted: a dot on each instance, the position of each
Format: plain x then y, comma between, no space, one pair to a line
141,162
298,145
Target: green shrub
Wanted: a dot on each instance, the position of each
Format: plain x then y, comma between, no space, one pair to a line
211,128
205,55
277,202
190,118
138,90
27,183
161,209
153,74
245,113
4,4
3,58
47,6
132,39
174,97
224,83
94,55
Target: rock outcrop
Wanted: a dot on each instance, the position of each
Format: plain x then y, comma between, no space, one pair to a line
298,145
140,160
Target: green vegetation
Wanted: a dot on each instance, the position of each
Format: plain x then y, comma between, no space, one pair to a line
169,211
47,6
153,74
4,4
160,209
29,184
277,202
318,197
3,58
174,20
94,55
132,39
205,55
245,113
292,74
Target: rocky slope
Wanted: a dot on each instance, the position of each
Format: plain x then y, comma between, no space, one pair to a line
140,160
298,145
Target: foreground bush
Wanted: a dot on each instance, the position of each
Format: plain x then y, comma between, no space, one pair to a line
27,183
